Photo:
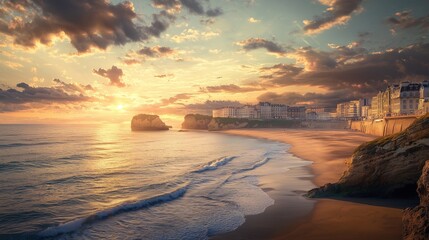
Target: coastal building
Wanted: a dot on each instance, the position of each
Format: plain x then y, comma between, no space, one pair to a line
279,111
424,98
264,109
353,109
247,111
366,112
226,112
319,113
296,112
376,105
405,99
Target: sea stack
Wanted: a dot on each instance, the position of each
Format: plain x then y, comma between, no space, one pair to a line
146,122
196,121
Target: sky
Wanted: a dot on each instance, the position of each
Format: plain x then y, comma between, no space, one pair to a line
100,61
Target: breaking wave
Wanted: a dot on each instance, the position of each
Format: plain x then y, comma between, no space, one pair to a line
125,207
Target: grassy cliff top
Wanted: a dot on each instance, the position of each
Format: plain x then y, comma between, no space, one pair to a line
199,116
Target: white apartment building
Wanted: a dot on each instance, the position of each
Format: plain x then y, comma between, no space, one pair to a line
264,109
405,99
226,112
247,111
279,111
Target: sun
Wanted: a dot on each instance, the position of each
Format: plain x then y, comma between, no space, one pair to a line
120,107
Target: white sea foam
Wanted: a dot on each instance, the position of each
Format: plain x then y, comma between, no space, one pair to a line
212,165
254,166
78,223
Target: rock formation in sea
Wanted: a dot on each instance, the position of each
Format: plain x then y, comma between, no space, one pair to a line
386,167
416,220
196,121
145,122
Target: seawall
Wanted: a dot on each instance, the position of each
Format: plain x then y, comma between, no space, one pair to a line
383,127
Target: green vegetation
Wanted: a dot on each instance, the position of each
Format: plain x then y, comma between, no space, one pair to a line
199,116
258,123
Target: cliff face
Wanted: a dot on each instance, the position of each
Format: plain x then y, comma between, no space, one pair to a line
144,122
196,121
386,167
217,124
416,220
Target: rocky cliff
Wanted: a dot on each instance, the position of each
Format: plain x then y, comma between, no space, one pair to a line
217,124
196,121
145,122
416,220
386,167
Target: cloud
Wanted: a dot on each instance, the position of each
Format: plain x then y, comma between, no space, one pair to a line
164,75
26,96
231,88
253,20
175,99
311,98
257,43
208,106
193,35
114,74
156,52
404,20
193,6
313,60
338,12
362,75
135,57
87,23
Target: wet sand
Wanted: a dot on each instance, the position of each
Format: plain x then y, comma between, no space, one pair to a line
330,218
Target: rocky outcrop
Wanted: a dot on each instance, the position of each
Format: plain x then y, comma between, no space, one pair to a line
416,220
145,122
386,167
217,124
196,121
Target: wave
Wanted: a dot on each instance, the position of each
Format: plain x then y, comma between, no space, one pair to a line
212,165
78,223
10,145
254,166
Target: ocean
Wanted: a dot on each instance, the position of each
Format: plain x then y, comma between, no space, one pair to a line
107,182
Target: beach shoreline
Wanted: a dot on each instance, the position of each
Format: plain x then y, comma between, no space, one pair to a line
330,218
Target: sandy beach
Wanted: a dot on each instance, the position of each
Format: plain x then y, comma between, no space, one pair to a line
330,218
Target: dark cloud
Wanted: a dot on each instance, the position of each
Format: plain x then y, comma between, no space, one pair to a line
156,52
313,59
87,23
320,99
114,74
338,12
404,20
193,6
208,21
26,96
256,43
135,57
164,75
209,105
231,88
363,74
